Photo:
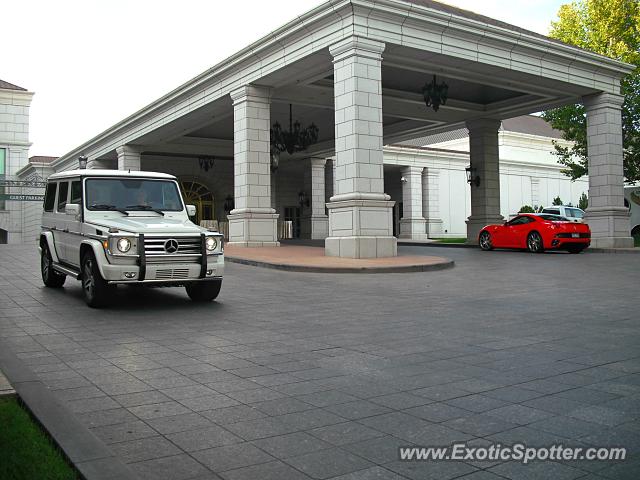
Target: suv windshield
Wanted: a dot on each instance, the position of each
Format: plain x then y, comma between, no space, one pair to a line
124,194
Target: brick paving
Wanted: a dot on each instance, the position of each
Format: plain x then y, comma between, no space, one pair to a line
302,375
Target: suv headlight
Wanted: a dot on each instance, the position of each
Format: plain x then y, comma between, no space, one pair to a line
123,244
211,243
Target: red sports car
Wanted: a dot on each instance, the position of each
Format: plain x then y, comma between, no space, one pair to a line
536,233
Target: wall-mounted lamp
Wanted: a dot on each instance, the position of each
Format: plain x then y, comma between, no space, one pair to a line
303,199
228,204
472,177
403,179
82,162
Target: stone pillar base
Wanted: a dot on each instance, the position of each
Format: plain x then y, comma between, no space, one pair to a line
360,226
361,247
413,228
477,223
253,229
610,227
319,227
434,227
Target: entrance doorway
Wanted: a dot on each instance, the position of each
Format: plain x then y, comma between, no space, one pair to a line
199,195
293,214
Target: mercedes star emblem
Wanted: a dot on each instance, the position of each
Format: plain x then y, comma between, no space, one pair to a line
171,246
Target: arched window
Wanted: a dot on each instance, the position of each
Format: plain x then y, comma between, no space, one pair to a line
195,193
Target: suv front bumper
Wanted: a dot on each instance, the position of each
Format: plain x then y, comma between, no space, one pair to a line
165,273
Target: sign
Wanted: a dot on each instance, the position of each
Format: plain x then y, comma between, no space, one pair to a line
21,198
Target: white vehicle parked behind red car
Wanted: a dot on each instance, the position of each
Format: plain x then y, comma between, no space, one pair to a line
573,214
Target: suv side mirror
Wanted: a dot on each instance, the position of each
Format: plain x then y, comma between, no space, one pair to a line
72,209
191,210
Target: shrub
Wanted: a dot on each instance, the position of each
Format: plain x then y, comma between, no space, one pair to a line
557,201
526,209
583,203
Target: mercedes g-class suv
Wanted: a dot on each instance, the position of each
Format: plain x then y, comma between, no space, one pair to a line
112,227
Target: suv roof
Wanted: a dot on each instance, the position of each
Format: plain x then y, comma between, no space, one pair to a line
109,173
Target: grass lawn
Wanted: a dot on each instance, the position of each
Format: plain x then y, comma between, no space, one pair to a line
26,452
450,240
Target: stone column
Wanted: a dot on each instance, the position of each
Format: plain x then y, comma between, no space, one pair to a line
128,158
431,201
360,213
484,154
319,219
95,163
412,223
253,222
606,215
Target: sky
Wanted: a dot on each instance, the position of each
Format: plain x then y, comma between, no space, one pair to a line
92,63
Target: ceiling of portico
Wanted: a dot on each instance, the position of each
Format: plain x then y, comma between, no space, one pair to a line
475,91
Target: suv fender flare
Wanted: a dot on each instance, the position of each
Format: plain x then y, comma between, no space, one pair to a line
48,238
98,253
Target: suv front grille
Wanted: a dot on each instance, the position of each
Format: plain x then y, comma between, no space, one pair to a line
172,274
172,246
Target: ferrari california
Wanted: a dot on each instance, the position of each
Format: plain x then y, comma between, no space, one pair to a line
536,233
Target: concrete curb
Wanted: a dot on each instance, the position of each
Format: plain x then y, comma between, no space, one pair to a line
436,244
314,269
88,454
618,251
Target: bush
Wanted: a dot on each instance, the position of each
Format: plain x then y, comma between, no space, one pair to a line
526,209
557,201
583,203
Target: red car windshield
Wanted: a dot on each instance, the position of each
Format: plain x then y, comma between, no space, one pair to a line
552,218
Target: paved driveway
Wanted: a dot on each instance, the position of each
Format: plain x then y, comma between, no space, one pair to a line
294,375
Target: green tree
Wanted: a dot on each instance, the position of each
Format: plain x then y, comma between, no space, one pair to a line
583,203
527,209
557,201
611,28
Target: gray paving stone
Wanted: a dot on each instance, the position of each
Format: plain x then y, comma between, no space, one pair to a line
122,432
531,471
401,400
437,412
158,410
229,457
372,473
238,413
343,433
282,406
144,449
357,409
519,414
203,438
267,471
328,463
178,423
291,445
327,397
178,467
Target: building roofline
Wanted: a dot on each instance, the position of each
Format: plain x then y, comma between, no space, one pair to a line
276,39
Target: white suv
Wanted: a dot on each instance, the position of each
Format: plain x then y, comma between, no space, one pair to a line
110,227
573,214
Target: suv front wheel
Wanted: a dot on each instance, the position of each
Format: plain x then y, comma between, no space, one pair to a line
50,277
96,290
204,291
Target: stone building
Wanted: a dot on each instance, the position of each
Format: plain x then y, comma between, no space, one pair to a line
367,74
14,154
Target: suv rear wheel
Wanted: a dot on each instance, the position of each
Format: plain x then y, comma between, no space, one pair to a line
50,277
96,290
204,291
